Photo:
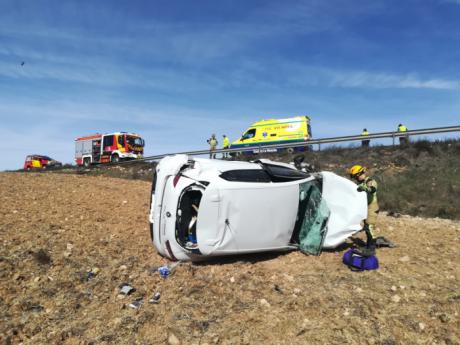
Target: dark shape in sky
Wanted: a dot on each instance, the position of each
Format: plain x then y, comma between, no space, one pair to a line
22,63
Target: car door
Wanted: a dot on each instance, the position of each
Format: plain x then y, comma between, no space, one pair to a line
247,217
347,206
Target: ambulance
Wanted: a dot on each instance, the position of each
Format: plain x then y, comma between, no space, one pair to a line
275,131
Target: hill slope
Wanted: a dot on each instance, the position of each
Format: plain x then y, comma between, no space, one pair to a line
422,179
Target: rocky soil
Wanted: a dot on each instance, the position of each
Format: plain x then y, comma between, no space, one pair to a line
68,242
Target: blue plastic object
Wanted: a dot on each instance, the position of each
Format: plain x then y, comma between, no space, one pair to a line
357,262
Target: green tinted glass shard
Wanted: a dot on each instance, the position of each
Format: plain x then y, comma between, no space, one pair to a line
314,213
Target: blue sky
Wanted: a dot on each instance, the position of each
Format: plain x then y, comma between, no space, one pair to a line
177,71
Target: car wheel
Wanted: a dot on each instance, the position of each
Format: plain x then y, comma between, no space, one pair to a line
290,150
115,158
86,162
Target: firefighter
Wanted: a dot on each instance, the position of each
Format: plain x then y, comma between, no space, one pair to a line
212,146
365,143
403,140
225,145
368,185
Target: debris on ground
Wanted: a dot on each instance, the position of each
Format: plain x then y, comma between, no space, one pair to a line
166,270
136,304
155,299
93,272
217,302
126,289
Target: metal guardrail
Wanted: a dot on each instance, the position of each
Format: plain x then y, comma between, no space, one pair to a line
267,148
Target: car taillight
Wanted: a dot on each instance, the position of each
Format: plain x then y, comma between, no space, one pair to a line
176,179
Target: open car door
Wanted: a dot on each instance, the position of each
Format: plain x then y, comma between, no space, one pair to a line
312,218
348,208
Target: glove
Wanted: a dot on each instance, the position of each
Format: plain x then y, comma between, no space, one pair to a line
360,189
372,189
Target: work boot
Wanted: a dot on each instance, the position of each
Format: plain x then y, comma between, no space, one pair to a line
365,250
381,242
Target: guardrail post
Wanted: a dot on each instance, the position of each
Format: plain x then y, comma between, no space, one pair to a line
319,146
393,135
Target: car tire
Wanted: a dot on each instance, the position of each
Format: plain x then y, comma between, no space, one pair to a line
86,162
115,158
290,150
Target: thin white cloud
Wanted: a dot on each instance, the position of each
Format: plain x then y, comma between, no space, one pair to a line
248,74
388,81
186,42
307,76
96,73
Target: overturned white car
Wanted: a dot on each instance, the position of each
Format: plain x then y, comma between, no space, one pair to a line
202,207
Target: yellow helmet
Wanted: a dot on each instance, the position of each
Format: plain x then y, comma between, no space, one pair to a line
356,170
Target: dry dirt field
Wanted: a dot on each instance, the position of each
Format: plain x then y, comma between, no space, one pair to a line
55,227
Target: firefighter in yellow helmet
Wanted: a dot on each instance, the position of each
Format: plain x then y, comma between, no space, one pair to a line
368,185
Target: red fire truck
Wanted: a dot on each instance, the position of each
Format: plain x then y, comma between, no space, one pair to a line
105,148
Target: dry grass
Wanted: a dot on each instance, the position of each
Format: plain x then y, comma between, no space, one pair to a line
56,227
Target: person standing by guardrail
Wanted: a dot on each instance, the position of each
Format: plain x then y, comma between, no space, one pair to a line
365,142
212,146
225,146
403,140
